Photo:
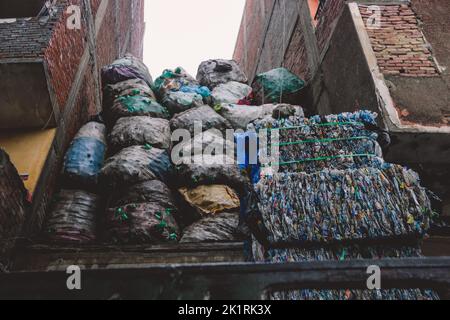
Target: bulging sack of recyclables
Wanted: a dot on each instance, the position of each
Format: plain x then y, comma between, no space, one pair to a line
277,86
85,156
132,106
140,131
73,218
222,227
136,164
130,87
126,68
142,223
205,117
211,199
212,73
232,92
178,101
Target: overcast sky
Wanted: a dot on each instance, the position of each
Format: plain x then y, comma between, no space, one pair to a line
186,32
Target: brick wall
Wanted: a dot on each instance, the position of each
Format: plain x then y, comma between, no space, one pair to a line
327,22
399,44
296,58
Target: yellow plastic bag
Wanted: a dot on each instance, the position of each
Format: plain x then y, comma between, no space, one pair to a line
211,200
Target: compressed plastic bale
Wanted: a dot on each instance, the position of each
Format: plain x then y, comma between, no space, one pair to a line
140,131
208,140
212,73
85,156
73,218
233,93
277,86
211,169
132,106
222,227
203,116
126,88
142,223
174,80
177,102
136,164
354,252
299,144
354,205
212,199
124,69
240,116
13,207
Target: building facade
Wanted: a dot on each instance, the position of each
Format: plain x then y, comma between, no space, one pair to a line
51,53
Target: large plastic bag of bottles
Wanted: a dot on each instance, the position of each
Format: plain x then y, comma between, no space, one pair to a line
343,141
85,157
212,199
212,139
140,131
222,227
136,164
232,92
341,205
132,106
130,87
240,116
277,86
204,117
179,80
212,73
13,206
342,253
178,101
142,223
194,171
126,68
73,218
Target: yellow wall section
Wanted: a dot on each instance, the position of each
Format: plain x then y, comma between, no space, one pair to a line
28,151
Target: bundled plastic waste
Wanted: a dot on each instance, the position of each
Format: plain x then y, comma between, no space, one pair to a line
140,131
212,73
85,157
354,252
277,86
147,191
136,164
212,199
124,69
218,228
204,116
142,223
134,105
233,93
178,101
130,87
341,205
73,218
310,144
212,140
240,116
12,206
211,170
179,80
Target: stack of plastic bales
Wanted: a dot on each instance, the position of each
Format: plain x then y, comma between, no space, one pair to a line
328,195
141,209
74,213
12,207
